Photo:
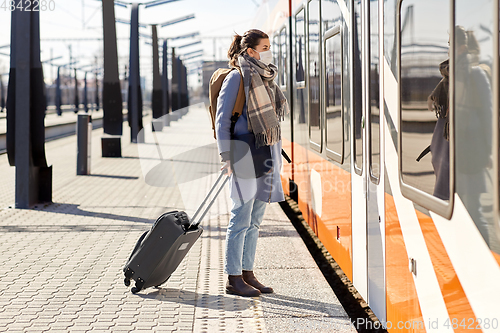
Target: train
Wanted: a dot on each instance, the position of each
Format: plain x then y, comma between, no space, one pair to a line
393,135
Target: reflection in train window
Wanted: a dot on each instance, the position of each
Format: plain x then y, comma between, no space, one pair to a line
474,121
313,73
346,92
390,29
333,94
283,58
358,89
286,129
300,65
334,78
424,114
276,51
331,14
374,110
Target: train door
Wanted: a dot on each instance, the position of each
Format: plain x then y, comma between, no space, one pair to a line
368,193
337,108
358,169
375,189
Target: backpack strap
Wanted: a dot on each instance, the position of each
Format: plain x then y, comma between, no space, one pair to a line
240,103
423,153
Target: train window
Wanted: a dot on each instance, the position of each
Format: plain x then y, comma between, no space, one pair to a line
374,110
358,90
313,72
300,65
333,94
283,58
474,119
424,111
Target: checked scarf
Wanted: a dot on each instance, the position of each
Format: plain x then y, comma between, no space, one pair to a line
266,104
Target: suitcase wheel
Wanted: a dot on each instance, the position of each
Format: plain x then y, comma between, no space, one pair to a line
139,283
126,282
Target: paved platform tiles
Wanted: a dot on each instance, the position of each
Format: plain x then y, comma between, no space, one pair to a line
63,262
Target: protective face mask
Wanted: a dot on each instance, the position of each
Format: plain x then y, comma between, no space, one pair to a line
266,57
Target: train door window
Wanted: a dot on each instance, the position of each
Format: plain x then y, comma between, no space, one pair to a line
358,89
300,65
333,94
475,122
333,77
374,90
424,110
313,72
283,59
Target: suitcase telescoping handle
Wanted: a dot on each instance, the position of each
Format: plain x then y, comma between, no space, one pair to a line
224,171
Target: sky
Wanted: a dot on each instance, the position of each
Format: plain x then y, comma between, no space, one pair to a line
83,19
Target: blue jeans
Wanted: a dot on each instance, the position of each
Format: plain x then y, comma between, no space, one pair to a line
241,236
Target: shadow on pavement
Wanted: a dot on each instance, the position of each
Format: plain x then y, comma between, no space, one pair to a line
74,209
298,307
220,232
71,228
113,176
277,305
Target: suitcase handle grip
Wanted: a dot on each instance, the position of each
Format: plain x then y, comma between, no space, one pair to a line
224,171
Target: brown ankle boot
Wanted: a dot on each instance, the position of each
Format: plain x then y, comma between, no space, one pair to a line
236,286
249,278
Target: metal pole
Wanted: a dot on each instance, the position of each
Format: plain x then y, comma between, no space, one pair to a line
176,105
165,87
2,100
185,91
134,75
11,96
97,106
26,106
51,71
82,137
77,98
58,92
179,80
22,109
38,102
157,92
97,103
69,75
111,88
85,101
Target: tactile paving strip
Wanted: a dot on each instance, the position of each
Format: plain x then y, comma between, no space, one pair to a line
217,311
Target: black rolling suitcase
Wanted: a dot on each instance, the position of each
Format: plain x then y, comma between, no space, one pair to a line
160,250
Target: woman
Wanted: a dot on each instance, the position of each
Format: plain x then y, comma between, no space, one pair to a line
265,106
440,146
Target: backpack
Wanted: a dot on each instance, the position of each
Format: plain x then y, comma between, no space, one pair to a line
213,90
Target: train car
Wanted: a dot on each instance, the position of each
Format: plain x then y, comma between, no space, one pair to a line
393,134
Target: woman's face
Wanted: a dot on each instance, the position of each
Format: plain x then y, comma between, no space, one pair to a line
263,45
